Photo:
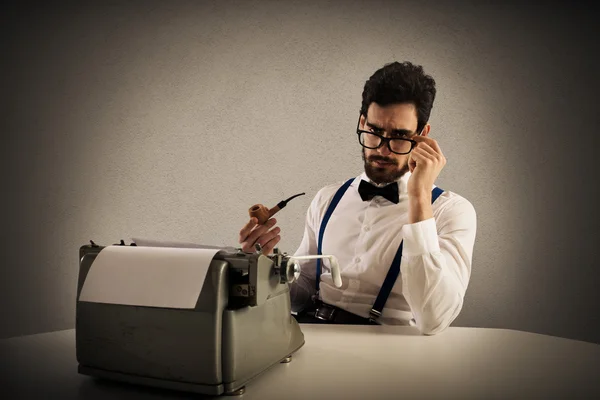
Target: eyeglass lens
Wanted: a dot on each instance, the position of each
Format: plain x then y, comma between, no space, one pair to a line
373,142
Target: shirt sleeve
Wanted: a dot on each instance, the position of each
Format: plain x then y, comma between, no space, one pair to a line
436,265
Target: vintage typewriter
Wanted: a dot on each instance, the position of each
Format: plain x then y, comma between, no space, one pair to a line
239,325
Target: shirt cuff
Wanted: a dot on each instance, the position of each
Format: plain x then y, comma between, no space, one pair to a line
420,238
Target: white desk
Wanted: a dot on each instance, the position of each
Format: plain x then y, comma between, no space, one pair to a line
348,362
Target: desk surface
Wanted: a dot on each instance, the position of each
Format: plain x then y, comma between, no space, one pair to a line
348,362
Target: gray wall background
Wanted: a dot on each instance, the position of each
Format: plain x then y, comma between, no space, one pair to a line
168,119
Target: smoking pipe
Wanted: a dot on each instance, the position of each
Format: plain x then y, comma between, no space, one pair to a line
262,213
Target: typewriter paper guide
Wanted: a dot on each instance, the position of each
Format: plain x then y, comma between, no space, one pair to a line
147,276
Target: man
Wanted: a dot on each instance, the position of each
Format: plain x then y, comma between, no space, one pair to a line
423,237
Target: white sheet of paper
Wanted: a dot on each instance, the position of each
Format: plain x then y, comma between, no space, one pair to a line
147,276
187,245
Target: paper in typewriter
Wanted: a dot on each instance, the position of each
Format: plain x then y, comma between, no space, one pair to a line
168,277
179,244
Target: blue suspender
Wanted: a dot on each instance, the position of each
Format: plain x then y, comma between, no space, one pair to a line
394,270
334,202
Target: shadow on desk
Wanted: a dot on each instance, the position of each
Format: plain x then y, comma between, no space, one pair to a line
96,389
395,330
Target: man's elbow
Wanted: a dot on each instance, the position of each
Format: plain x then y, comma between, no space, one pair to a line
430,323
432,328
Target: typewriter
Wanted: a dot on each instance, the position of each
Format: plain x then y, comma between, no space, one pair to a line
238,324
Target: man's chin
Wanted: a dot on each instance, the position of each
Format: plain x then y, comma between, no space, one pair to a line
386,173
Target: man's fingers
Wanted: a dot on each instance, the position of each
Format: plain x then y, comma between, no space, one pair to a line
411,161
270,245
429,141
420,139
259,230
247,247
427,149
420,157
267,237
436,146
245,231
430,152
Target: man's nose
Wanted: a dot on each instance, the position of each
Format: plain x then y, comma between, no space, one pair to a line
384,150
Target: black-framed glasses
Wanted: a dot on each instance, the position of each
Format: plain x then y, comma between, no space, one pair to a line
372,140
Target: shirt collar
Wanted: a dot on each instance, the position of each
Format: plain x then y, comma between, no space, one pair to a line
402,182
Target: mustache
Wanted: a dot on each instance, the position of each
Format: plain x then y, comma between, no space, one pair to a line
382,159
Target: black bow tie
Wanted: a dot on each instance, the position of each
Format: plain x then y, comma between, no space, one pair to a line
367,191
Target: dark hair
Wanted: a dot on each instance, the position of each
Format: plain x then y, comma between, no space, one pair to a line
401,83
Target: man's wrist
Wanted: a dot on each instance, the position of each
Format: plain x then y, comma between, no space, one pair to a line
421,194
419,207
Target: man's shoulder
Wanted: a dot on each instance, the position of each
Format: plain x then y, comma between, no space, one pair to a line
324,195
452,202
321,200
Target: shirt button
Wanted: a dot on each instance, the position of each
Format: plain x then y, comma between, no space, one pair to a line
367,229
357,260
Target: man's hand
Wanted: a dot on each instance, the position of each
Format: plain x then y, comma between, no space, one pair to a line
253,233
425,163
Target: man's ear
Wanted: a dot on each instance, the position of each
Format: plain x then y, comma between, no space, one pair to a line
362,122
425,130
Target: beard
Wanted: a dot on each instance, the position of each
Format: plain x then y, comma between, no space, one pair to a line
388,174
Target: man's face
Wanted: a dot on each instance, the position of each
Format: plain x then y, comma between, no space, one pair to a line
395,120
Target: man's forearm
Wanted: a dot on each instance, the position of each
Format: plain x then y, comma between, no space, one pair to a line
419,208
436,263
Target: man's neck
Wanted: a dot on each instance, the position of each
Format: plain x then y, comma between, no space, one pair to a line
402,181
381,184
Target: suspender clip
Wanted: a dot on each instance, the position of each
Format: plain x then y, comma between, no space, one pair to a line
373,315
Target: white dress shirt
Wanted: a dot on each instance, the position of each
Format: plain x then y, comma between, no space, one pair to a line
365,236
